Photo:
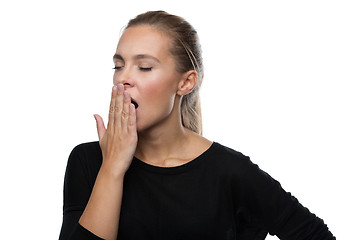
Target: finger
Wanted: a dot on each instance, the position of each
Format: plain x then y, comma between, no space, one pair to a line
132,120
125,112
112,108
100,126
119,105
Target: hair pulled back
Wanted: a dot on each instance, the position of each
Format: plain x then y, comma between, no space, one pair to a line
186,51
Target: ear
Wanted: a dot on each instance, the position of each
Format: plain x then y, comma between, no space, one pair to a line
187,83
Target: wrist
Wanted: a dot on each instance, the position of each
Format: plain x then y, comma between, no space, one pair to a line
114,172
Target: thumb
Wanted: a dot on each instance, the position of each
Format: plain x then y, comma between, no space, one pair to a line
100,126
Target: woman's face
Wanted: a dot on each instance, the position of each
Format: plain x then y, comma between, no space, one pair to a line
144,64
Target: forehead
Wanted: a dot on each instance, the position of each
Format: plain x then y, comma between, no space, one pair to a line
144,39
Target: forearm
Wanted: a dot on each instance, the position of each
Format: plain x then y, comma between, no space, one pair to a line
118,143
101,215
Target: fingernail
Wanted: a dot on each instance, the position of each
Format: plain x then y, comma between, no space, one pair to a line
120,87
114,88
126,94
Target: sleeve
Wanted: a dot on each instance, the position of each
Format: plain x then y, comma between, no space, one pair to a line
78,184
265,202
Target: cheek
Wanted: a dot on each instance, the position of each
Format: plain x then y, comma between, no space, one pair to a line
159,86
158,93
157,103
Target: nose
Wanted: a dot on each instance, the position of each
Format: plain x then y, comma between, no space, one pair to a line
124,77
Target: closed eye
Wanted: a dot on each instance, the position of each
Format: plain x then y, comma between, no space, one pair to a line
145,69
117,68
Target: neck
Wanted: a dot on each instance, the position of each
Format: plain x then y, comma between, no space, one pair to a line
163,141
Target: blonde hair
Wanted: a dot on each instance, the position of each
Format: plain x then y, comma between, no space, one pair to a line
186,50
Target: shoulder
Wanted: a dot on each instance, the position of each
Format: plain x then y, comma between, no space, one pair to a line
235,164
87,148
82,167
228,156
245,176
86,156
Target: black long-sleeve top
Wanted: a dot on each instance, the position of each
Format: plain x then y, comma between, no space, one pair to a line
219,195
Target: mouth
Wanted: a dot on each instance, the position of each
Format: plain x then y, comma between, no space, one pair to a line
135,103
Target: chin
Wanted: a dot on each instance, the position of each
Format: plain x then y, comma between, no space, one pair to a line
140,127
151,121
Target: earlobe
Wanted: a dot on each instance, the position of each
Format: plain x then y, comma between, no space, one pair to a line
187,83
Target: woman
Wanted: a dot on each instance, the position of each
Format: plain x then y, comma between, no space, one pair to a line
152,175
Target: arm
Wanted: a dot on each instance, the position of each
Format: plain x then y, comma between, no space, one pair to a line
118,142
101,215
83,165
277,210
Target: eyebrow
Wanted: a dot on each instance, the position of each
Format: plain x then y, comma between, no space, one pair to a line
137,57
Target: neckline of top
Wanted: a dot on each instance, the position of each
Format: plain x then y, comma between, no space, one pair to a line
176,169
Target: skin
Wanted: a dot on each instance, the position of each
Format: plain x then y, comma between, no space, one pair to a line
145,72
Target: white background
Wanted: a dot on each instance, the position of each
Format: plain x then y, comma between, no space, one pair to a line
281,85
